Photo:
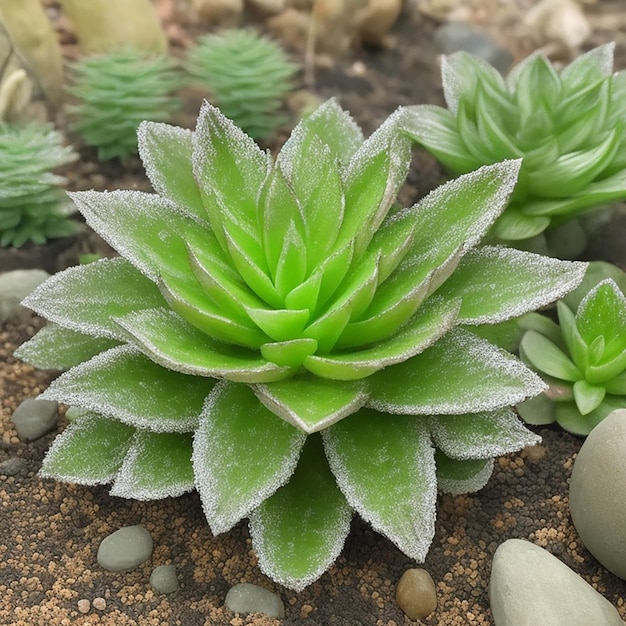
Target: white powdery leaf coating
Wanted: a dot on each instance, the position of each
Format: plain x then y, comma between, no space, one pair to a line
127,483
208,436
468,485
481,435
337,534
564,275
85,398
586,302
417,533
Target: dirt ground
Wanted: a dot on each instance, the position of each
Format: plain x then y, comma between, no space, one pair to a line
49,532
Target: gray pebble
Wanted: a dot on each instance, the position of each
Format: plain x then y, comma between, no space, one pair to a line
14,287
13,466
125,549
163,579
246,598
530,587
34,418
597,493
455,36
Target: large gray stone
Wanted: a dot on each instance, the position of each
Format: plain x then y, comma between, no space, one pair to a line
597,496
33,418
14,287
246,598
125,549
530,587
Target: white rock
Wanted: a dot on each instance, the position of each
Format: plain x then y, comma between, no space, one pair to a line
374,22
268,6
530,587
14,287
246,598
597,496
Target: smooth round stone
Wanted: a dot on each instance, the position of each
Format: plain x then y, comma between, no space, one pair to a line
416,594
163,579
246,598
14,287
125,549
33,418
597,493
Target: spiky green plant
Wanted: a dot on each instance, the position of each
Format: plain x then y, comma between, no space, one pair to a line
115,92
582,359
248,76
33,207
568,126
277,338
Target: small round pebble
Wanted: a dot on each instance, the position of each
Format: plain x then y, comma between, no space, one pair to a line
125,549
163,579
416,594
33,418
83,606
99,603
246,598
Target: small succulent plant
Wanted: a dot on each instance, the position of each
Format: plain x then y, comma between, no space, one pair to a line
33,207
248,76
568,127
115,92
582,360
276,336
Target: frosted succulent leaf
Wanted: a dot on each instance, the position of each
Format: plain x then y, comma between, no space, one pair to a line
586,367
565,124
277,312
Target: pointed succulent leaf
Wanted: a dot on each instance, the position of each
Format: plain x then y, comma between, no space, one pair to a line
435,128
177,345
166,155
462,476
542,354
525,283
334,126
588,397
430,322
58,348
470,135
85,298
311,404
241,454
603,312
460,212
537,83
291,266
617,384
125,385
280,324
89,451
229,169
588,68
607,369
156,466
597,271
461,373
385,468
291,353
571,337
538,411
299,531
142,227
480,435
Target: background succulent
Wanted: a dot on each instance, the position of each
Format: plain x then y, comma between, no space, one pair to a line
33,207
568,127
582,359
115,92
248,76
273,336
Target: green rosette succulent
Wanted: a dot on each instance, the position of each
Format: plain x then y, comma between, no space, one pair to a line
33,206
115,92
248,76
583,361
567,126
277,337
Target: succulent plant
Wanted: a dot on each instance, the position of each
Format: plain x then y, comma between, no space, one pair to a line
568,127
582,360
115,92
33,207
248,76
277,337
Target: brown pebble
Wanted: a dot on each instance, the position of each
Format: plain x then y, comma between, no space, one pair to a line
416,594
99,603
